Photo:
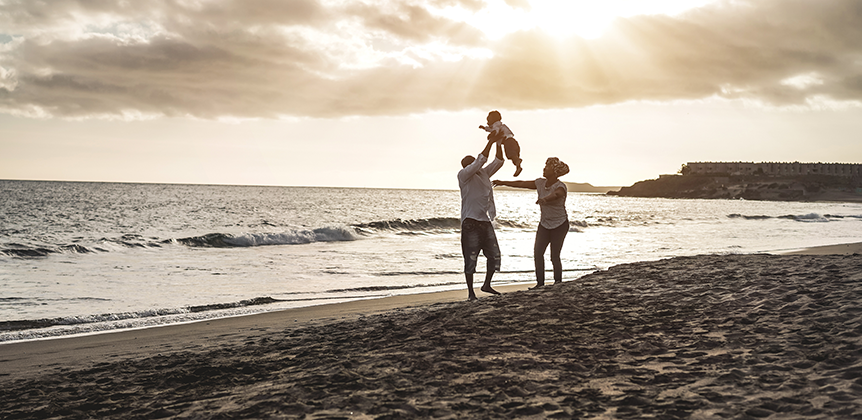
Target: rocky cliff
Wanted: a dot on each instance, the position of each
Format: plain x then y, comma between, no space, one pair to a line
801,188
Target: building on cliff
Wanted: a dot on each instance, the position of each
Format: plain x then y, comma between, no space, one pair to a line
774,168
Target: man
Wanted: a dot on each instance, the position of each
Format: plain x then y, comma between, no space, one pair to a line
477,213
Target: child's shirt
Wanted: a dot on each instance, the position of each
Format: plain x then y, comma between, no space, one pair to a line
498,128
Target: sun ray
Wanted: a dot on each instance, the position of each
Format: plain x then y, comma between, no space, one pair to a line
564,18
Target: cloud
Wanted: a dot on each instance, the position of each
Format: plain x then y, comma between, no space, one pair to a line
317,58
753,47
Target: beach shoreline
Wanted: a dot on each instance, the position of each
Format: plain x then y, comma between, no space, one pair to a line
839,249
21,359
757,335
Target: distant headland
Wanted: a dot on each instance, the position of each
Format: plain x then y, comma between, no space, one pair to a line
588,188
579,187
773,181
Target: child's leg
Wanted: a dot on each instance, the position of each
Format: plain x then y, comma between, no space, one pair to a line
513,152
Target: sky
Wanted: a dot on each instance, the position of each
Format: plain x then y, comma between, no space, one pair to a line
390,93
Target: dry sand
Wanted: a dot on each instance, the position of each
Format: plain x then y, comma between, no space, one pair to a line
733,336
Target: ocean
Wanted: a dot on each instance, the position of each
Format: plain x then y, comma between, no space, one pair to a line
83,258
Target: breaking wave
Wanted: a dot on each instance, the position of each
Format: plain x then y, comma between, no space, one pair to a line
19,250
810,217
394,287
229,240
7,326
353,232
416,225
291,237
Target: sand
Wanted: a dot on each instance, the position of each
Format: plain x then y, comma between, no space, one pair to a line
732,336
841,249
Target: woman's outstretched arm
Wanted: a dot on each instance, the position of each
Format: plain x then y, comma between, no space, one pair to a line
560,192
516,184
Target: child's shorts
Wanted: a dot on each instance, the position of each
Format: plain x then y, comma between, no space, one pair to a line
512,148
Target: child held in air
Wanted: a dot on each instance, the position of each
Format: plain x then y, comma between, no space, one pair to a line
499,131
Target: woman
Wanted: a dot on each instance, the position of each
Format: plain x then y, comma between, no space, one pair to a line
554,222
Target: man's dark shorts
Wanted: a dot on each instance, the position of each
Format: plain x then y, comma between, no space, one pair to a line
476,236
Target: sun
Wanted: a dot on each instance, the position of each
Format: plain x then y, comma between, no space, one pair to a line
565,18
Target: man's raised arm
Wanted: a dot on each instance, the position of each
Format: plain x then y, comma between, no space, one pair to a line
487,151
473,167
497,163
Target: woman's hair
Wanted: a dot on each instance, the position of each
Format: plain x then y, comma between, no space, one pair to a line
557,166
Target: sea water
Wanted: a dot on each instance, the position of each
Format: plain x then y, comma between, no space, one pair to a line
88,257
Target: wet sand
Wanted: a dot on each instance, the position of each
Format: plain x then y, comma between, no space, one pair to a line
732,336
841,249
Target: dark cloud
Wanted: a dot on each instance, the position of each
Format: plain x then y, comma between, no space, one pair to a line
268,58
30,13
413,23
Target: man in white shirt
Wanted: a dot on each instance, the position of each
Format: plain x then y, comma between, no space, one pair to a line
477,213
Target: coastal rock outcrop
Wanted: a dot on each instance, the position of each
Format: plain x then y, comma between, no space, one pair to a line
801,188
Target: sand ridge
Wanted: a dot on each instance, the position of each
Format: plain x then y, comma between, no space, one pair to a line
738,336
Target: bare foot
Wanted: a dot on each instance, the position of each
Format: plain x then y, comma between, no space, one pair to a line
488,289
518,170
536,286
471,298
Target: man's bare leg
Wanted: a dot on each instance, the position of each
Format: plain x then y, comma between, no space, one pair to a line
487,286
471,295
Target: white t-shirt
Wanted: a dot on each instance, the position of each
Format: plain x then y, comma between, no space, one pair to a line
553,213
498,127
477,193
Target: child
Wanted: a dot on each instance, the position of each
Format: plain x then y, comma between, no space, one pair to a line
497,129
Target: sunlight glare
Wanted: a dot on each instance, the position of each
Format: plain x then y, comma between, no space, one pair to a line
564,18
